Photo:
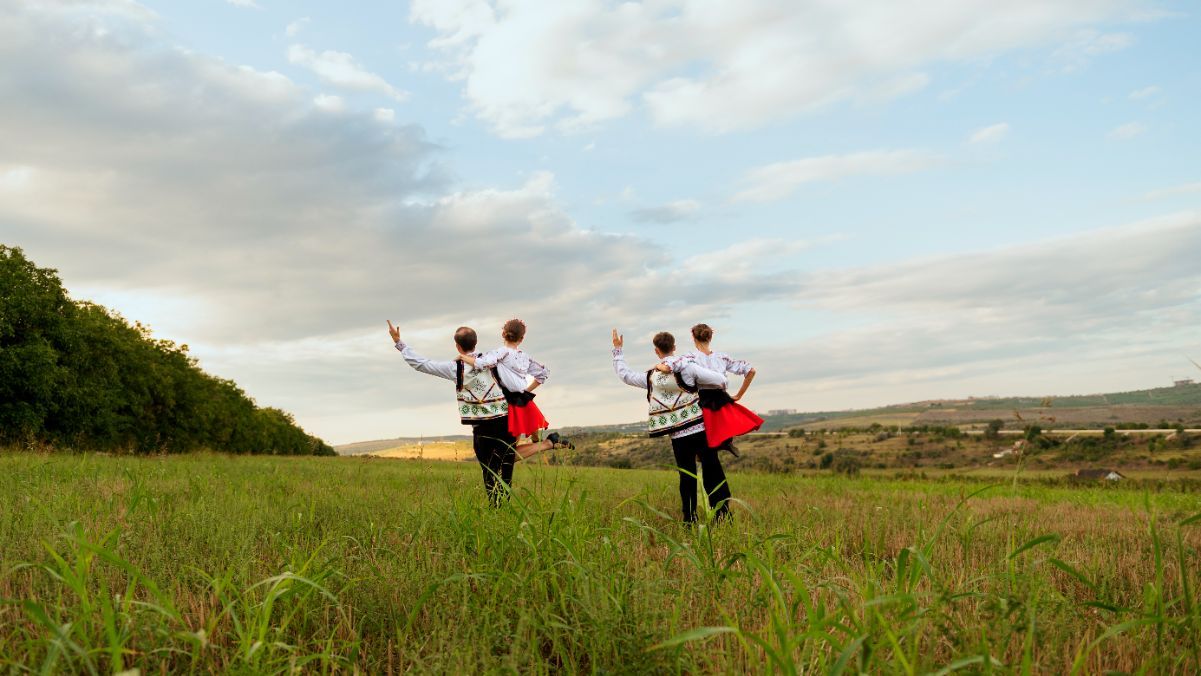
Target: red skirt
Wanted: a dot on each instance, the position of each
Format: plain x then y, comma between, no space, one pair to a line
727,422
526,419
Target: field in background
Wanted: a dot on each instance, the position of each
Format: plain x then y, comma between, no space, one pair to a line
1164,453
429,450
258,564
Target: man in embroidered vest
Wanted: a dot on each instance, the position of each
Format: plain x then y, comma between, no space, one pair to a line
674,410
480,404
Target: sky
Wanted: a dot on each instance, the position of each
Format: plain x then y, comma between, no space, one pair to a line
874,202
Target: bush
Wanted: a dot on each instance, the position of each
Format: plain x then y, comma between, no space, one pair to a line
847,464
993,429
620,462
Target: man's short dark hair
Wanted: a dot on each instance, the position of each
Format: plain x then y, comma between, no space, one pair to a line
665,342
465,338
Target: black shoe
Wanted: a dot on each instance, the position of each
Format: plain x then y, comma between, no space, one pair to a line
729,446
560,442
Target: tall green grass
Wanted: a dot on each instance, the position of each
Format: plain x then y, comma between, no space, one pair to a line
271,565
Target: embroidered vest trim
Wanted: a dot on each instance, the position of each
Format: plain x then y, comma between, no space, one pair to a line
673,404
479,396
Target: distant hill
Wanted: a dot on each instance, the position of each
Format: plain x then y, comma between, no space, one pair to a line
1174,403
1177,403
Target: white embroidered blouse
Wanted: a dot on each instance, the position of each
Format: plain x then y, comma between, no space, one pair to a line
514,367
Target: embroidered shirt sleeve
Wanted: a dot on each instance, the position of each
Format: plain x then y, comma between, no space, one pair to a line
490,358
695,374
624,373
441,369
678,362
739,367
538,371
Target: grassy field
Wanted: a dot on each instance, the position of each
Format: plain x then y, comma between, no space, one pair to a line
259,565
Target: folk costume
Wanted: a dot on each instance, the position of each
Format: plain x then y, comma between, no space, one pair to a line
510,368
481,403
724,417
674,410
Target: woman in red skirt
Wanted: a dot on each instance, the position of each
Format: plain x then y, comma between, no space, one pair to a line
724,417
513,370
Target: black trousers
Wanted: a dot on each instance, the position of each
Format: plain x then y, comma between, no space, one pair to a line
713,477
494,449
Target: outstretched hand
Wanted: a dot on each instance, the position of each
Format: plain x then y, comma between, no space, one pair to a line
618,340
393,331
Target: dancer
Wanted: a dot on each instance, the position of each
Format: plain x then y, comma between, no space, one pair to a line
724,417
675,411
514,369
481,405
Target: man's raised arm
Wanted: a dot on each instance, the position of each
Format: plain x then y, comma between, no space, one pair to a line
442,369
619,365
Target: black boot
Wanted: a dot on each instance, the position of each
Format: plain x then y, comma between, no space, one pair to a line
728,445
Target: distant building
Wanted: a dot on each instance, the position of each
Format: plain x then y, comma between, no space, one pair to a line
783,411
1185,382
1106,474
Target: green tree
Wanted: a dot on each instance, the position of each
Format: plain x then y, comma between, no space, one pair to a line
994,428
75,375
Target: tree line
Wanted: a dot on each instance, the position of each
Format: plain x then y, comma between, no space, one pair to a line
75,375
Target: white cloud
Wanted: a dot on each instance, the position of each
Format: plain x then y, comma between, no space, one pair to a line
246,4
296,26
1016,319
742,258
1086,46
341,70
330,103
778,180
679,210
1127,131
1144,93
990,134
527,66
385,114
15,178
1173,191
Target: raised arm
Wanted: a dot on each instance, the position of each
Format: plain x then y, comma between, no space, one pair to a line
623,371
441,369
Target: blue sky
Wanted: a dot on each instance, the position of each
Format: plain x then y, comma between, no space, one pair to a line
875,202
